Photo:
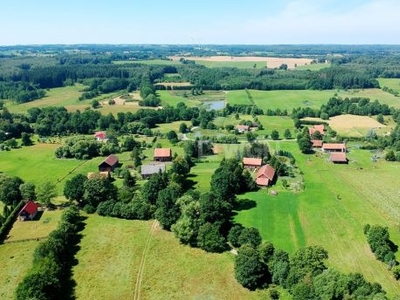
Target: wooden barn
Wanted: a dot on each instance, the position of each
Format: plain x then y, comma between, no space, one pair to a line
317,128
338,158
334,147
29,211
162,154
109,164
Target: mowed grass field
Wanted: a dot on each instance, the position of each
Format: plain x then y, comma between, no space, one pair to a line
38,163
337,202
392,83
121,259
16,254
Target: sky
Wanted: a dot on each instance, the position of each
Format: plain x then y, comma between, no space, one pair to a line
199,22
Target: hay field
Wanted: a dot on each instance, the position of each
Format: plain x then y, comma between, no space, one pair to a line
270,62
354,126
122,259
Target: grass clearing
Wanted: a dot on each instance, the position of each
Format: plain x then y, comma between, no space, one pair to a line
16,260
38,163
172,98
314,67
170,270
148,62
392,83
337,202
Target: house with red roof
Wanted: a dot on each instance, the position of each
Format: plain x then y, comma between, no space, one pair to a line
162,154
317,128
242,128
252,163
29,211
334,147
338,157
100,136
316,143
265,175
109,164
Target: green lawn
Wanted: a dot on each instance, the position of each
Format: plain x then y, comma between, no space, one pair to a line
233,64
314,67
38,163
148,62
392,83
337,202
172,98
112,251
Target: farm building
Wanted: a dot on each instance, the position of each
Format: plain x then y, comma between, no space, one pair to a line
338,157
334,147
150,169
265,175
29,211
242,128
316,143
100,136
109,164
252,163
162,154
317,128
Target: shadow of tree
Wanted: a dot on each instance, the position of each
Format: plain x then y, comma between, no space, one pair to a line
244,204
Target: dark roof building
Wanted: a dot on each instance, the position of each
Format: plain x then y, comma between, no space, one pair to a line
109,164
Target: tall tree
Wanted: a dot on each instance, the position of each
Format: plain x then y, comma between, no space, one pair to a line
9,189
74,188
28,191
46,192
168,212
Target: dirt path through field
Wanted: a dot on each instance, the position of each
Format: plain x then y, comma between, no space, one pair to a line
139,277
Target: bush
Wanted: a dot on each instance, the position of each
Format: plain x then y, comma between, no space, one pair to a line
89,209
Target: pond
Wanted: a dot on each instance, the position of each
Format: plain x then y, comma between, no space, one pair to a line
214,104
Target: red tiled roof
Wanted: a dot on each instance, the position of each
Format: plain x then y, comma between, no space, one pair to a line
249,161
262,181
266,171
162,152
111,160
243,127
316,128
338,157
30,207
333,146
100,135
316,143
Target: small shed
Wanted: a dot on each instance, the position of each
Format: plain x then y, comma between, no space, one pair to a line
109,164
242,128
100,136
150,169
316,143
29,211
162,154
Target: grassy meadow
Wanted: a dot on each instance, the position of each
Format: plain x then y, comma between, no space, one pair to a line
337,202
17,253
151,264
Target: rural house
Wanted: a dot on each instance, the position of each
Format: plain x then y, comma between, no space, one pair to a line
109,164
317,128
242,128
265,175
334,147
150,169
29,211
252,163
316,143
162,154
338,157
100,136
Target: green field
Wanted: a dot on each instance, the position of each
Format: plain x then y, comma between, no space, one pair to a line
148,62
313,67
172,98
233,64
38,163
17,253
149,263
392,83
337,202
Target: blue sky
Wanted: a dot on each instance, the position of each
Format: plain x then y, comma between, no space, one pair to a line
200,22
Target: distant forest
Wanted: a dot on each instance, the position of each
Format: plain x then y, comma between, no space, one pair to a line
27,71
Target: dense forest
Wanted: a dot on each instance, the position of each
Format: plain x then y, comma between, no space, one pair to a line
27,71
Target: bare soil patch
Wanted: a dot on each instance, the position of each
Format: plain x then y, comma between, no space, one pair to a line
271,62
